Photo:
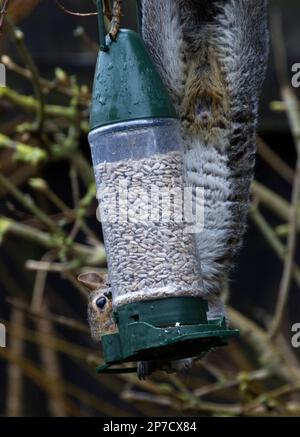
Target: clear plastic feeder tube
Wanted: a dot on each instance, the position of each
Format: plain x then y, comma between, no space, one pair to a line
139,175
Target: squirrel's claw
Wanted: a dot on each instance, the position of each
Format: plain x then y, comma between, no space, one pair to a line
145,369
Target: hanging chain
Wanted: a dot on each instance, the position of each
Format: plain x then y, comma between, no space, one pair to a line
116,19
104,10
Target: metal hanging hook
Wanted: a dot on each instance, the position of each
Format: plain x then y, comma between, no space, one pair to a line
139,15
101,26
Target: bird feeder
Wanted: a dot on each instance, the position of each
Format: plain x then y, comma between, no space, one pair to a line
155,278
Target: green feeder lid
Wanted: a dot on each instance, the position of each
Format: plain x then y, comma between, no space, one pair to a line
163,329
127,85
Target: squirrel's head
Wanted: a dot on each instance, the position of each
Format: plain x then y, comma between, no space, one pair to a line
100,309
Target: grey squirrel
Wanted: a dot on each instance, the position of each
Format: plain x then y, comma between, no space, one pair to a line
101,321
212,56
100,309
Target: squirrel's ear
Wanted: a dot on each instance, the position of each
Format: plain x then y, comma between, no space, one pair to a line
91,280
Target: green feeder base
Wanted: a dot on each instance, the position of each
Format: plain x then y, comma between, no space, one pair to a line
164,330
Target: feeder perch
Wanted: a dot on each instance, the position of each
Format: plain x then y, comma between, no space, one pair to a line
155,278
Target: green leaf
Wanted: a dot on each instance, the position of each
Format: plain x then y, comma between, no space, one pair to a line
29,154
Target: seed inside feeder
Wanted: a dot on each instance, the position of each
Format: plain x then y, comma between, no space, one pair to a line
148,257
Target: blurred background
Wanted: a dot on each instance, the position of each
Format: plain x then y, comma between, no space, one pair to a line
49,234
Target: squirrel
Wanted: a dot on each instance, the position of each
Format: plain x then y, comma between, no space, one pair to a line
101,321
100,308
212,56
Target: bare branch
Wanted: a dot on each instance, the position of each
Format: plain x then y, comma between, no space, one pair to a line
77,14
3,13
293,114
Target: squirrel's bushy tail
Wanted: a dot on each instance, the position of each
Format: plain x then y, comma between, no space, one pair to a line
212,56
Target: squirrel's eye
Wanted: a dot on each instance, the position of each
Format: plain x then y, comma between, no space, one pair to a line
101,302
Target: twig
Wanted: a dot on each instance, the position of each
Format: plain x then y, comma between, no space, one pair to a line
45,266
38,377
285,283
271,395
56,343
18,177
40,283
73,279
272,239
58,238
30,104
28,61
271,357
51,365
58,319
3,13
14,398
256,375
134,396
54,85
23,152
76,214
293,113
280,54
73,175
61,267
26,201
42,186
87,255
171,401
77,14
85,171
274,161
272,201
90,45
